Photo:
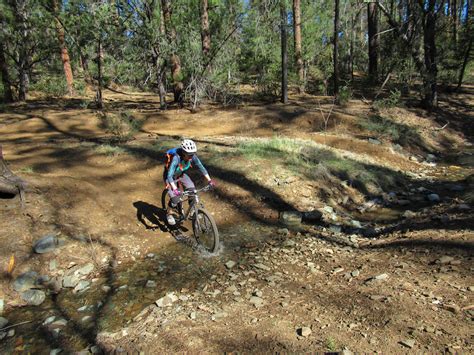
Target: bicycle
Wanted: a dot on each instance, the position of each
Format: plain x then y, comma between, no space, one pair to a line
204,227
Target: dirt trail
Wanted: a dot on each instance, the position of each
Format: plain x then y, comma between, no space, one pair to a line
104,198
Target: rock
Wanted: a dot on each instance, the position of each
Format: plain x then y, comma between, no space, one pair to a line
374,141
84,270
81,286
377,297
431,158
463,207
470,288
356,224
25,281
2,305
49,320
445,259
219,315
86,319
262,267
88,308
355,273
312,216
289,243
283,231
452,308
192,315
106,288
3,322
167,300
230,264
150,255
335,229
33,297
3,335
429,329
409,343
55,351
328,209
11,333
433,198
304,331
52,265
150,284
95,350
59,323
338,270
409,214
46,244
70,281
256,301
291,219
381,277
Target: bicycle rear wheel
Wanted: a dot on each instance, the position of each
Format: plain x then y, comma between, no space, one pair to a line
165,200
205,230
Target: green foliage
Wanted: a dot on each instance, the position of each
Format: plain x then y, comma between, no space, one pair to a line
26,170
110,150
331,344
245,46
306,158
344,95
392,100
122,125
387,128
51,85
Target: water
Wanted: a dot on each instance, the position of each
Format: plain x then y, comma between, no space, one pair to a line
109,304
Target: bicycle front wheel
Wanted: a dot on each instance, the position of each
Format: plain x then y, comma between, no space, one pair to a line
205,230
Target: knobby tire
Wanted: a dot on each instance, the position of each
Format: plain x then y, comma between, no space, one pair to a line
205,230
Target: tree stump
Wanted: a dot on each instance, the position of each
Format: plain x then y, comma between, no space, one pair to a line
9,182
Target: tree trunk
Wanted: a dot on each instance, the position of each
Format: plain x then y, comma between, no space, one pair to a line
335,53
9,182
372,22
100,103
20,9
297,37
7,90
64,52
205,34
464,63
284,53
174,59
455,22
429,45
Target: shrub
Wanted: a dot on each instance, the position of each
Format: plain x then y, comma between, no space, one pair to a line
344,95
51,85
392,100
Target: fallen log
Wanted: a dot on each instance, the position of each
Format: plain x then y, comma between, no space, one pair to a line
9,182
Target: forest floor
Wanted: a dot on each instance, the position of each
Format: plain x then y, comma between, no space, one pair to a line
387,268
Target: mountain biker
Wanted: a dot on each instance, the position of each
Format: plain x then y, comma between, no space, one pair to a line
179,160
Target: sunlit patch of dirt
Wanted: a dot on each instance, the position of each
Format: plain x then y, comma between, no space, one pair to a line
103,196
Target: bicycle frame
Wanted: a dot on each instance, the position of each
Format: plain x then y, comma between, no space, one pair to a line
185,214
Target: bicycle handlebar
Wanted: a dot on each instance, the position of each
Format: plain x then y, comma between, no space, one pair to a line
195,191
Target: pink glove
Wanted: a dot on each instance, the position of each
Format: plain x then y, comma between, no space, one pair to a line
177,193
212,183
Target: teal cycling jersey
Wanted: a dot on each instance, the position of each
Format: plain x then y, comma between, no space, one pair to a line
176,165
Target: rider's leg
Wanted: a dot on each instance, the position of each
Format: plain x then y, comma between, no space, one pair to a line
174,200
188,185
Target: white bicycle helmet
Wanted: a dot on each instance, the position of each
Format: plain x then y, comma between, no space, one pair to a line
189,146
